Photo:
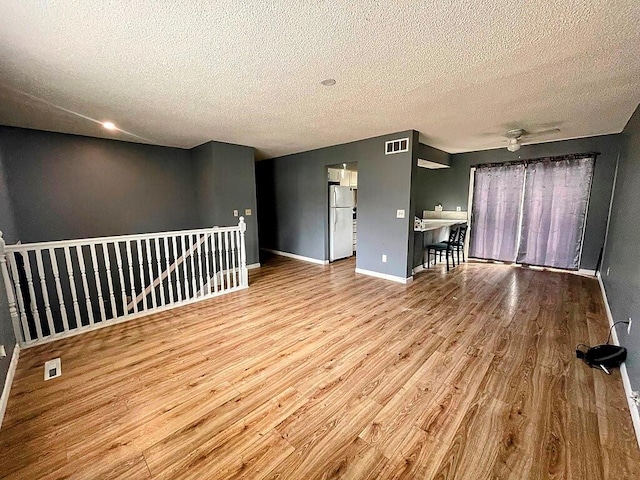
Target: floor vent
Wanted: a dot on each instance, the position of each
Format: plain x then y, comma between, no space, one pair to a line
396,146
52,369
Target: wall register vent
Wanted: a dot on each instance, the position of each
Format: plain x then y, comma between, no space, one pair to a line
396,146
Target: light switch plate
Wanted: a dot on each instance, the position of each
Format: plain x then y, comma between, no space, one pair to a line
399,213
235,213
247,211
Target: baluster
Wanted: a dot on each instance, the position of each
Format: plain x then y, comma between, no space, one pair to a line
177,269
45,291
134,298
184,267
32,294
207,236
16,281
159,260
96,276
150,269
123,287
107,265
72,284
226,256
85,285
142,281
243,254
166,259
233,258
56,277
199,241
192,254
214,268
220,262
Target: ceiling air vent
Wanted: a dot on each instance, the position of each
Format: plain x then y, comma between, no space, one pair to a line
396,146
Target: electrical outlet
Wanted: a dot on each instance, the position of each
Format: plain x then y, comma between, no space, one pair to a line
458,209
52,369
384,258
235,213
247,211
399,213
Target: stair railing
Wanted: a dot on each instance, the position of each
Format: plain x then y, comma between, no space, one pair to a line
63,288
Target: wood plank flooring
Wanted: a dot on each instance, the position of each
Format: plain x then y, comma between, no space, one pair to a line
318,373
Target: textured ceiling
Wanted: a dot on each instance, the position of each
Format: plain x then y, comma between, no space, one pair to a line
182,73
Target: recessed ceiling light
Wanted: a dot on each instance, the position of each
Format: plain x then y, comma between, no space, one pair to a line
109,125
328,82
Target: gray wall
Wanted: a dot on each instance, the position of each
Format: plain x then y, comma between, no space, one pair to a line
293,200
225,181
451,186
67,186
427,152
622,252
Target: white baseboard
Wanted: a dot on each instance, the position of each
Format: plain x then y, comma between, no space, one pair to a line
633,408
4,398
384,276
297,257
584,271
251,266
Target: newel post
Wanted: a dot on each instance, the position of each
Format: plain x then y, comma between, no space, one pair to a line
243,253
11,297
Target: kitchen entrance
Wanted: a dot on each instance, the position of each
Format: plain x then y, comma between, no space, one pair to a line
342,180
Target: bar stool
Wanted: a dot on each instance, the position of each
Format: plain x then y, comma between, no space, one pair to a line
458,244
446,247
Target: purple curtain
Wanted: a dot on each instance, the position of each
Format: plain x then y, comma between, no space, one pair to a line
497,195
554,210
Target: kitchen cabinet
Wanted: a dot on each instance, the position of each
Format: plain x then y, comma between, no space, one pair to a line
353,180
334,174
346,178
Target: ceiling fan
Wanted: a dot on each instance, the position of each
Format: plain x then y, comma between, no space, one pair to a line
516,135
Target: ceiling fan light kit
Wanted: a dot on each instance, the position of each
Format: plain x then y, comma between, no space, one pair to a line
515,135
513,145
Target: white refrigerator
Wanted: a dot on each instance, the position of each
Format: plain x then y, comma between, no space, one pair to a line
341,203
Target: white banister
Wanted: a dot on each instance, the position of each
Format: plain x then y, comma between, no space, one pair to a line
96,277
72,283
243,255
132,281
32,294
85,285
123,287
18,295
181,264
107,266
45,292
11,299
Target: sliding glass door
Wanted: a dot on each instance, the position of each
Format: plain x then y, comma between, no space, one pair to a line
531,213
495,212
554,212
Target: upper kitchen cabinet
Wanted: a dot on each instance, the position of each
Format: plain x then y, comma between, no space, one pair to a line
334,174
353,180
346,178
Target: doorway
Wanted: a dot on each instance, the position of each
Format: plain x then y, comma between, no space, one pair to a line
342,202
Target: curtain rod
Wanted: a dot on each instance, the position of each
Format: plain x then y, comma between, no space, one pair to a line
558,158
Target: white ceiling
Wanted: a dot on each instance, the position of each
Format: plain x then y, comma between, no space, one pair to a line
182,73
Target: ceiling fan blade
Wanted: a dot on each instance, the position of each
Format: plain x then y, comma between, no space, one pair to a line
539,133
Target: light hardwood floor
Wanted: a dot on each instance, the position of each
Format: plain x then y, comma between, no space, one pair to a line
316,372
